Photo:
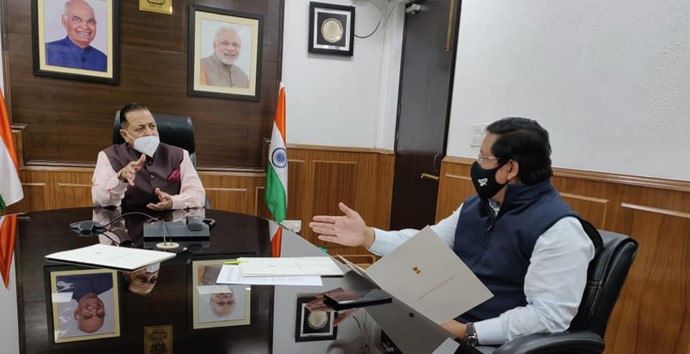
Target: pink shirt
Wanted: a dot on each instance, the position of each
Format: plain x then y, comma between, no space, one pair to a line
108,190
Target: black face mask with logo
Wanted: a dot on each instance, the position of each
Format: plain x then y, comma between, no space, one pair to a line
485,180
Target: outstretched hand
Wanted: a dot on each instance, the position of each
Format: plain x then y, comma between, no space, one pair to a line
348,230
165,202
129,172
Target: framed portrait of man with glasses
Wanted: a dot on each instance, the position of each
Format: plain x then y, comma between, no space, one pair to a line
76,39
224,53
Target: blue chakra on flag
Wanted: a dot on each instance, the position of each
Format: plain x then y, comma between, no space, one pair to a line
279,158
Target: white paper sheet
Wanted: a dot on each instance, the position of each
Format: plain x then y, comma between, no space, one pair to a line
428,276
230,274
284,266
113,257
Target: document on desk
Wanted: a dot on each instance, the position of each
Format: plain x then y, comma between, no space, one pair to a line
428,276
284,266
113,257
230,274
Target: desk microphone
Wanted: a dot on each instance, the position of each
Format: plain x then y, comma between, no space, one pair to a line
166,245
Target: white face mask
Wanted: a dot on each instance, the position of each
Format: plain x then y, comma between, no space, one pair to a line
153,267
146,144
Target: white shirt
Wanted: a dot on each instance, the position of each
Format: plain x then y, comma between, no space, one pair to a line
554,283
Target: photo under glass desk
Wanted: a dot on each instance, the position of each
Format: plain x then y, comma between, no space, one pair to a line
168,309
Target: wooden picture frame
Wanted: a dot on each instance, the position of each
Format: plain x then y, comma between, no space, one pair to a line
217,305
78,42
331,29
316,325
83,304
224,53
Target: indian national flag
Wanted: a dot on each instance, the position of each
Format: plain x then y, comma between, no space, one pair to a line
10,187
277,173
10,192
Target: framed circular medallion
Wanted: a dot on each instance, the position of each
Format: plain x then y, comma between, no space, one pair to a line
332,30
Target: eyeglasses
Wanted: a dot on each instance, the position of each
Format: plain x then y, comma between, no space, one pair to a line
223,303
76,20
482,159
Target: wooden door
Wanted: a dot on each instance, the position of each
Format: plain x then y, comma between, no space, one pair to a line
426,81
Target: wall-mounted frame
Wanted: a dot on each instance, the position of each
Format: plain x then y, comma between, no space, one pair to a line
314,325
159,6
217,305
76,39
83,303
331,29
224,53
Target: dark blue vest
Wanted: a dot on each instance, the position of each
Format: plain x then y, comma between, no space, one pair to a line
498,248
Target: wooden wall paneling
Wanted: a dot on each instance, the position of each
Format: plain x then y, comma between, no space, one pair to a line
72,188
370,183
297,189
454,187
229,199
375,188
38,191
334,182
231,191
232,130
36,197
653,312
591,209
261,209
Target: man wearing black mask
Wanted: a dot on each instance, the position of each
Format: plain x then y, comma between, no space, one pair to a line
517,235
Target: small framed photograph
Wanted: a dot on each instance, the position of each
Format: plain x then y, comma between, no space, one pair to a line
76,39
217,305
224,53
331,29
314,325
83,303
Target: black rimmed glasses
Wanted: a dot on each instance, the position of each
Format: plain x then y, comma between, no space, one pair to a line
483,159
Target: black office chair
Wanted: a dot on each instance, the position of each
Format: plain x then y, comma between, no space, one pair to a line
605,279
173,130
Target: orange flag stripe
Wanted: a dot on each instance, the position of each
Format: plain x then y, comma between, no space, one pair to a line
8,230
6,132
276,242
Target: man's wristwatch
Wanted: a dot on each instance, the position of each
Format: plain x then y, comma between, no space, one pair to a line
471,335
122,179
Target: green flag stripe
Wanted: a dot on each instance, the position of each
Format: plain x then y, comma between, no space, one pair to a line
275,195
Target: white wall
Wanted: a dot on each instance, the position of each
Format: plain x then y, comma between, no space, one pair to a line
343,101
9,332
610,80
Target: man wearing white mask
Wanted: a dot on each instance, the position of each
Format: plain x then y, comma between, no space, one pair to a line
142,171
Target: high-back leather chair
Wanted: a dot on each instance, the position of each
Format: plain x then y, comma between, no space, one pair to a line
605,278
173,130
